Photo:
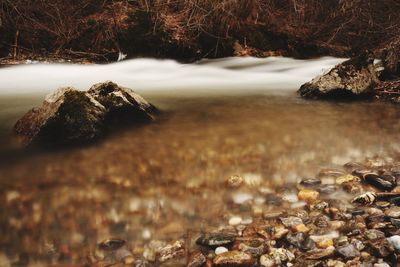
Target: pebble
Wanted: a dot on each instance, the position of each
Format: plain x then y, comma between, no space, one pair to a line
348,251
196,259
234,259
378,182
374,234
393,212
380,247
365,199
235,181
302,228
234,221
220,250
301,241
291,221
395,241
215,239
348,178
311,182
382,264
308,195
326,243
319,254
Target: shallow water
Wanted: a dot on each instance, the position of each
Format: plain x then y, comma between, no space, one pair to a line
168,179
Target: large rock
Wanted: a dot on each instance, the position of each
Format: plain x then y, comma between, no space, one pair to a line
69,116
353,78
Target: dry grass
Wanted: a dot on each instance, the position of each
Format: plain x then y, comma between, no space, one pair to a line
197,28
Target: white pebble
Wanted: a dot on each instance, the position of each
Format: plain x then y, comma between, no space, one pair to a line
236,220
241,198
395,241
220,250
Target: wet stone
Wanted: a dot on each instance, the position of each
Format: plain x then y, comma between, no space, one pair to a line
395,222
215,239
253,247
301,241
365,199
320,254
308,195
393,212
327,189
395,241
348,178
380,247
234,259
310,182
382,183
395,201
348,251
291,221
196,259
111,244
374,234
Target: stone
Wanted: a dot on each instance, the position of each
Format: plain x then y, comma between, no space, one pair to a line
319,254
291,221
353,78
348,251
122,103
215,239
220,250
308,195
302,228
348,178
171,251
380,247
112,244
310,182
277,257
393,212
395,241
235,181
325,243
374,234
234,221
196,259
253,247
234,259
301,241
365,199
380,182
68,116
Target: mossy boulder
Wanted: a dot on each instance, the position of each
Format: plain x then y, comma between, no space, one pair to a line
351,79
68,116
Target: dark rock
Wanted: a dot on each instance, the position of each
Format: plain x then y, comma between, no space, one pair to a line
66,116
395,201
395,222
215,239
234,259
380,247
384,183
122,103
301,241
112,244
348,251
69,116
311,182
352,78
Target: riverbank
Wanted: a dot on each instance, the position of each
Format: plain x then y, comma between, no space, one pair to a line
99,31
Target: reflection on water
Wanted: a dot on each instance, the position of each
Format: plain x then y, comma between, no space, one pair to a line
169,178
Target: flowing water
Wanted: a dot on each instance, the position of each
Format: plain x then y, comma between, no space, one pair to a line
168,179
